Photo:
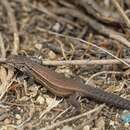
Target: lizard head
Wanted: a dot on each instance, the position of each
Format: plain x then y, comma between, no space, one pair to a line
15,60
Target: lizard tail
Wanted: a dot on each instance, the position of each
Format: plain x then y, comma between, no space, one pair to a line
110,99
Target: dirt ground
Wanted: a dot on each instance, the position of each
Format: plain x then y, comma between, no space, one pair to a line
88,39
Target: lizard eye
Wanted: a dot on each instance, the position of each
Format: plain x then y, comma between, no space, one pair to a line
22,68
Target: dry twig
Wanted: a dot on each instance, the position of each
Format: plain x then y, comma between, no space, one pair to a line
97,109
122,13
100,13
118,60
102,72
57,18
88,62
94,24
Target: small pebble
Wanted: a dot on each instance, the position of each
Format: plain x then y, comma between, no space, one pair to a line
125,117
38,46
66,127
40,100
87,127
51,55
18,116
56,27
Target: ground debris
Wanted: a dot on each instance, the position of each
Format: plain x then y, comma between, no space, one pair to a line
87,39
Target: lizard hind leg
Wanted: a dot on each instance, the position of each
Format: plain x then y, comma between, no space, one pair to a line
72,100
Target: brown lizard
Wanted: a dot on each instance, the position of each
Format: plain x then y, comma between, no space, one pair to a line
59,85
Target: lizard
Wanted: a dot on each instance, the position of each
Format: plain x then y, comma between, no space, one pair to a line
61,86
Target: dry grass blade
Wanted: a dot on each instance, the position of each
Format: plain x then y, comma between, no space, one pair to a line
2,47
89,43
102,29
121,11
6,81
57,18
97,109
13,25
51,104
100,73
